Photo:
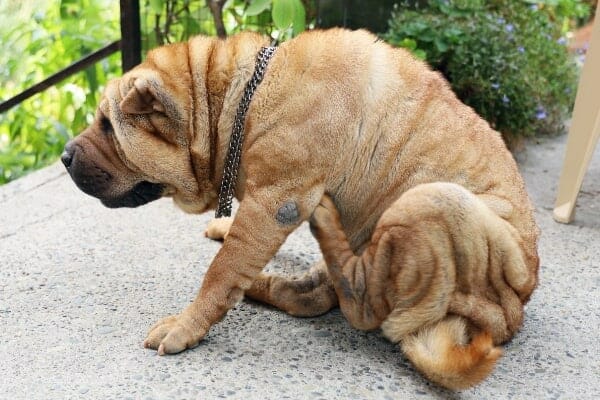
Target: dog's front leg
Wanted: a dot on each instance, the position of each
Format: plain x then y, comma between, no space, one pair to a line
260,227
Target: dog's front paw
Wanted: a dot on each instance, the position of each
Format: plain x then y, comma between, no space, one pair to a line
218,228
174,334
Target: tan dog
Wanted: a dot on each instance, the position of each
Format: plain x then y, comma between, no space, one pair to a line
429,234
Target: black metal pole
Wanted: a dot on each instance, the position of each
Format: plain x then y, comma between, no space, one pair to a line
131,38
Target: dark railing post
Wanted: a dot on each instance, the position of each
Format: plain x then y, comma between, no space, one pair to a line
131,38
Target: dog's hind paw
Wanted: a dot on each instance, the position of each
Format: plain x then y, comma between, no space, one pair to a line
324,216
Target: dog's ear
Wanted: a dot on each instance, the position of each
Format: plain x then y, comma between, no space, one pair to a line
143,97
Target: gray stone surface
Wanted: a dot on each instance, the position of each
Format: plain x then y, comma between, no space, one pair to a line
81,284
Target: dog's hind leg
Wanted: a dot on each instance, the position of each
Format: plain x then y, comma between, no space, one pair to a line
438,250
361,281
307,295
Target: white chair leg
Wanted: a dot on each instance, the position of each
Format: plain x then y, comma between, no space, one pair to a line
584,131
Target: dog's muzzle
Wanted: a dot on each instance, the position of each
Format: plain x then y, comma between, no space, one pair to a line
96,181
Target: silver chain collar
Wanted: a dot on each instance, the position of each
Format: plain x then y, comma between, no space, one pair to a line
232,162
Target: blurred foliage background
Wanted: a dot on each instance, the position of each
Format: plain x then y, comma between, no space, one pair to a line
37,39
506,58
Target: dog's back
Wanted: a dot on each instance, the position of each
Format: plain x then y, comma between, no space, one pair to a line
381,122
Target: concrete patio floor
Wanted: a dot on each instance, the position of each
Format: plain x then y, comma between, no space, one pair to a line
81,284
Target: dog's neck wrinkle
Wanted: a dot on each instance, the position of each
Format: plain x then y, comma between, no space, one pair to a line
194,121
201,159
215,105
230,66
218,83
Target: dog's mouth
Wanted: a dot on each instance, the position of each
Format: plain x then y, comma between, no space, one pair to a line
93,178
142,193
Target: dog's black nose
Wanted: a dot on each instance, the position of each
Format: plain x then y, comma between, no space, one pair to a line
66,158
67,155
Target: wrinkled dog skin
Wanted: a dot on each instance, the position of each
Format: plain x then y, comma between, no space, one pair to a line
422,217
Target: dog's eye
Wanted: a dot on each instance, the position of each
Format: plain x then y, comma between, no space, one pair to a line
106,125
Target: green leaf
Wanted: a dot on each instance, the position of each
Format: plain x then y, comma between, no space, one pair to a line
92,77
420,54
440,45
157,6
68,8
408,43
299,19
257,6
283,13
191,25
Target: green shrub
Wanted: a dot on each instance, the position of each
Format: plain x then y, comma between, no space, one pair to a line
506,59
168,21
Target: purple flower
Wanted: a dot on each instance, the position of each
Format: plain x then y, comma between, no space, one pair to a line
562,41
534,7
505,99
521,49
495,85
509,28
540,112
500,20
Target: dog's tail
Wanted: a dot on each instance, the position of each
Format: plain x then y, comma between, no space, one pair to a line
441,352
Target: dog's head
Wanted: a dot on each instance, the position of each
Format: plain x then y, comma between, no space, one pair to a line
139,147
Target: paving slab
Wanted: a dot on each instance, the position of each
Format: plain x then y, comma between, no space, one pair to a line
81,284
